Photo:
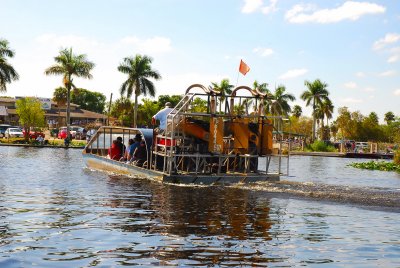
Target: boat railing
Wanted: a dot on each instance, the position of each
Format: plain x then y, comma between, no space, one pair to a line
176,152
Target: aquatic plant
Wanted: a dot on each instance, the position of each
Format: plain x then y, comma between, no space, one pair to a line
377,165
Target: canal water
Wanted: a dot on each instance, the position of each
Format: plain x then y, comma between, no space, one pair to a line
54,212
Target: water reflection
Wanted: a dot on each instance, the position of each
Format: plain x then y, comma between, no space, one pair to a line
210,222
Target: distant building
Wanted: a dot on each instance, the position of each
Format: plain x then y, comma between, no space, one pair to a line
55,116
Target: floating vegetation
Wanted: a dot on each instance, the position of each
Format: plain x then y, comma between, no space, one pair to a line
377,165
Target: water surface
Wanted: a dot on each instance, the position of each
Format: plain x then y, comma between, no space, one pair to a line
56,213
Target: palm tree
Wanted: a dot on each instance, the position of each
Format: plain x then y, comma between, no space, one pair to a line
7,72
60,97
68,65
297,111
315,94
139,71
263,88
327,109
280,101
389,117
224,87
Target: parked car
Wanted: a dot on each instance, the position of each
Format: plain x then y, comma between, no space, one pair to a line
3,128
62,133
13,133
34,133
73,130
81,134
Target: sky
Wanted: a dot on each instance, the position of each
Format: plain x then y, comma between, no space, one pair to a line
353,46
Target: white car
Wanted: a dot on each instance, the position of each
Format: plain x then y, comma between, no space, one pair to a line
13,133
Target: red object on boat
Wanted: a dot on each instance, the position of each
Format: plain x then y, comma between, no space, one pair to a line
167,142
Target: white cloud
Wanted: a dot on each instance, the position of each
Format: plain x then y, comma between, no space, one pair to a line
389,38
251,6
397,92
351,100
395,55
351,85
270,8
387,73
350,10
360,74
264,52
369,89
293,73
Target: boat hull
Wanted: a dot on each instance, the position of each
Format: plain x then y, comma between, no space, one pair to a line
104,164
108,165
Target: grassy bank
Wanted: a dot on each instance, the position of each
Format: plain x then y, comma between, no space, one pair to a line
48,143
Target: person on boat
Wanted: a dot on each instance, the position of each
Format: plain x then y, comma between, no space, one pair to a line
140,154
114,152
125,157
162,117
132,147
121,146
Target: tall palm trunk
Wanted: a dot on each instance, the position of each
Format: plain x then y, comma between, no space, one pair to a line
135,110
313,126
68,111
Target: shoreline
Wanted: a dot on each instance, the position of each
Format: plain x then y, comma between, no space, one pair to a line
42,146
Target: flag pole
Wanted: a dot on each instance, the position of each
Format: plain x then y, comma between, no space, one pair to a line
237,79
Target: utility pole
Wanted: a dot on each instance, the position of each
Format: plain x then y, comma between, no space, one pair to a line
109,110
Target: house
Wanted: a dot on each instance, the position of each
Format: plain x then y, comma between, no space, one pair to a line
55,116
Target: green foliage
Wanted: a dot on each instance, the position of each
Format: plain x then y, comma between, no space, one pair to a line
7,71
377,165
30,113
320,146
198,105
89,100
396,157
146,112
139,72
173,99
122,109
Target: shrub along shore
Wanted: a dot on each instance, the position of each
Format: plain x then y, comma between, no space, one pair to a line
51,143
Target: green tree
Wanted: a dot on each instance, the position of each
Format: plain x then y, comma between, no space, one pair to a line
139,72
122,109
280,101
314,95
297,111
263,88
173,99
7,71
389,117
30,114
147,109
224,87
69,65
343,122
198,105
60,97
89,100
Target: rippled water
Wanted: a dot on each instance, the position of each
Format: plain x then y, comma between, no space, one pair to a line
56,213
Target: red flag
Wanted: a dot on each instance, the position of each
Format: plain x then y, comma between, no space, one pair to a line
243,68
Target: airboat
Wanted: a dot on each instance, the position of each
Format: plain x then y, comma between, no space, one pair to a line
229,139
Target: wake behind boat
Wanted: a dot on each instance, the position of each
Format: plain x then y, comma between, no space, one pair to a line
221,144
